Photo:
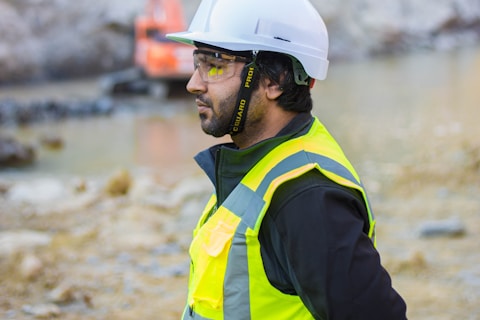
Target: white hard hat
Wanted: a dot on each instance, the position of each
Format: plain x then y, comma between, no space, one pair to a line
292,27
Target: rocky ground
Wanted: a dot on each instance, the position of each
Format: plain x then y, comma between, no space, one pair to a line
100,248
437,194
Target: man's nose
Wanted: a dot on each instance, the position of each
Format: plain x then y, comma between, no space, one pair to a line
196,84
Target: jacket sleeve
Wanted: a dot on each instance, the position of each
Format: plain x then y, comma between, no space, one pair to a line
314,245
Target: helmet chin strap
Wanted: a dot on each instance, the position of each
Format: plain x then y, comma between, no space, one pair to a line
249,81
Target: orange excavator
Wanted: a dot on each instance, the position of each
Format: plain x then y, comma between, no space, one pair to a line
157,60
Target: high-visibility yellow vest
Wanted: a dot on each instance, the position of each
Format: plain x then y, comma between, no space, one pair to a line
227,277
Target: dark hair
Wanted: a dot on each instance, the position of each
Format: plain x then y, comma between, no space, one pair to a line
278,68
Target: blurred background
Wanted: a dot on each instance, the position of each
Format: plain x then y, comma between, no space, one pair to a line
99,192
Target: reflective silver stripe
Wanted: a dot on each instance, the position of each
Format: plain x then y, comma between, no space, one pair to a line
302,158
245,203
236,290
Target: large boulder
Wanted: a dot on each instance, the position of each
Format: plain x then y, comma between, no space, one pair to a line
15,154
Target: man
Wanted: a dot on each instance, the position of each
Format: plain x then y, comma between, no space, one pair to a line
288,233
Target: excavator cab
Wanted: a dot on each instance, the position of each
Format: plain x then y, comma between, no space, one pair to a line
157,56
158,61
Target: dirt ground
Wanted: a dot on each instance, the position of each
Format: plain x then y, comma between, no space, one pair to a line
98,254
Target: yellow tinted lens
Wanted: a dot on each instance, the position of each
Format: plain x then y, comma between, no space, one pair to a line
215,72
218,71
213,69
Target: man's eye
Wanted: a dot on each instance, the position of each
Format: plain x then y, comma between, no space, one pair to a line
215,70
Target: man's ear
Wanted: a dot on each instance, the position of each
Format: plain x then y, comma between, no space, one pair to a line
272,89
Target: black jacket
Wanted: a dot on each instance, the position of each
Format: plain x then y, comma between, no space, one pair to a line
313,237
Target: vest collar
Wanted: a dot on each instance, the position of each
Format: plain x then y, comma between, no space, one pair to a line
225,165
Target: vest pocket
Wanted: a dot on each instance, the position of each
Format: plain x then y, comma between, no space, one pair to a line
209,253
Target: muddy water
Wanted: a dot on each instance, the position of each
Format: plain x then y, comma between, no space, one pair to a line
409,125
387,109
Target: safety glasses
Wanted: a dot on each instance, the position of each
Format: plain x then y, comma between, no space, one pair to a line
215,66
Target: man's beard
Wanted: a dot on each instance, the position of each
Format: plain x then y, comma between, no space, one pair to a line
218,122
